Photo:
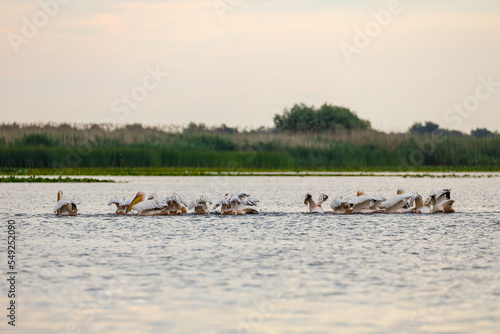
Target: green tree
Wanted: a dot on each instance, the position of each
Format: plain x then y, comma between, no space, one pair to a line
428,128
328,118
481,133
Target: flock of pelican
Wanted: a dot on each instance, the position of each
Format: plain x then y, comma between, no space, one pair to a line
241,203
402,202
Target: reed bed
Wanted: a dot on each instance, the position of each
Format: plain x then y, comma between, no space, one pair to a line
102,146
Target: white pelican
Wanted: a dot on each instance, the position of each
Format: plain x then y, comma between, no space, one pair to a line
248,203
399,203
436,202
237,204
65,207
121,206
313,206
420,206
200,206
174,205
225,207
443,202
363,203
341,205
151,207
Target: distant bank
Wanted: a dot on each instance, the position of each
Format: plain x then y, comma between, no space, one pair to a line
330,138
146,171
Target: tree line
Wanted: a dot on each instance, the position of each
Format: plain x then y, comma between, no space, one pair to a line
304,137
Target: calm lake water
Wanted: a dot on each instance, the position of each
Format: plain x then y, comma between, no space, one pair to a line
283,271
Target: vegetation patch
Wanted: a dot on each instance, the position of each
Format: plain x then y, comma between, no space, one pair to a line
60,179
304,138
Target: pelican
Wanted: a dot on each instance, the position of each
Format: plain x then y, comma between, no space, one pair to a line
150,207
237,204
313,206
174,205
65,207
436,202
341,205
420,206
363,203
225,206
248,203
200,206
121,206
399,203
443,202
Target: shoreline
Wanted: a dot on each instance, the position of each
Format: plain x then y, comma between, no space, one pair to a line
50,175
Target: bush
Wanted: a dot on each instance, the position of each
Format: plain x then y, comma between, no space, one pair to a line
327,118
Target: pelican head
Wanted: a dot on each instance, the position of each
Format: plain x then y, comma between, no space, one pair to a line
59,195
361,192
307,198
431,200
401,191
138,198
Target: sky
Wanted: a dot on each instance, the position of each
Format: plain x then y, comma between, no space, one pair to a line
240,62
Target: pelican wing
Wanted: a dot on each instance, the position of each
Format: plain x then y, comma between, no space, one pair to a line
192,204
251,201
337,202
361,200
126,201
414,198
204,200
222,201
113,200
60,204
397,201
147,205
376,198
242,194
153,196
235,199
443,192
176,199
443,195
